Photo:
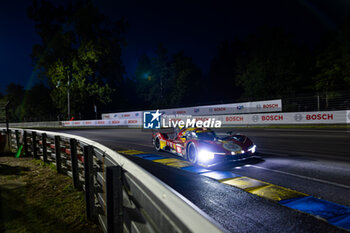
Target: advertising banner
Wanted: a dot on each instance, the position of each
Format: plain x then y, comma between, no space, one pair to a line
325,117
219,109
122,115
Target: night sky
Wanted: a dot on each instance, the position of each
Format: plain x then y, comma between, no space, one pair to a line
197,27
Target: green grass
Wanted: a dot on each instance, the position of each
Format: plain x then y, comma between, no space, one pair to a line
47,202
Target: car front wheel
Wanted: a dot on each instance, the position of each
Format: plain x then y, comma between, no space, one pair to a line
157,144
192,154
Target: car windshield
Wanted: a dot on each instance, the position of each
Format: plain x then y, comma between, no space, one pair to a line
206,136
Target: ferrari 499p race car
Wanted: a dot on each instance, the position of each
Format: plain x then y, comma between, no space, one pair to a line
202,146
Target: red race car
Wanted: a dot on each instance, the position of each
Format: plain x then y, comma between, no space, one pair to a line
202,146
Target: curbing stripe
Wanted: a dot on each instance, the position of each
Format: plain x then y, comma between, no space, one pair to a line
173,162
166,161
219,175
195,169
325,209
335,214
275,192
131,152
179,164
341,221
244,182
154,157
144,155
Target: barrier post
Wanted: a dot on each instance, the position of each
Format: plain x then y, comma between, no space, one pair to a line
114,196
25,143
9,141
34,151
89,182
74,161
58,154
17,138
43,140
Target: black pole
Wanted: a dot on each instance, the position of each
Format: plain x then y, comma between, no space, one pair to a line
58,154
74,162
43,140
7,124
114,196
34,148
25,143
89,182
17,138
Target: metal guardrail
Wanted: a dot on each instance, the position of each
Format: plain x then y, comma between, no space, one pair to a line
120,194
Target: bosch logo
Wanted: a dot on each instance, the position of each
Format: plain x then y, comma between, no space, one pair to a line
255,118
219,109
258,106
270,106
313,117
272,118
298,117
202,118
234,118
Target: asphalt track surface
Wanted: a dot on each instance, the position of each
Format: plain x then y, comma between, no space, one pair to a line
312,161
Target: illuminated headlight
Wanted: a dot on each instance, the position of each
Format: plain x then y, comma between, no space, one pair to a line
205,155
252,149
237,152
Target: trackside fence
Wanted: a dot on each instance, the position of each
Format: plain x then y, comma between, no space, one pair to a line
119,194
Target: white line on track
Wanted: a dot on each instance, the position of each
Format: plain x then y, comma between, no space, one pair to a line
303,177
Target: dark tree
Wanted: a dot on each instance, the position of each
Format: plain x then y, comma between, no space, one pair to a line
332,63
37,104
80,51
187,81
15,95
223,80
143,80
273,65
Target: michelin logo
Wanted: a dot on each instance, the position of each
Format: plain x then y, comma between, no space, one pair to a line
151,120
